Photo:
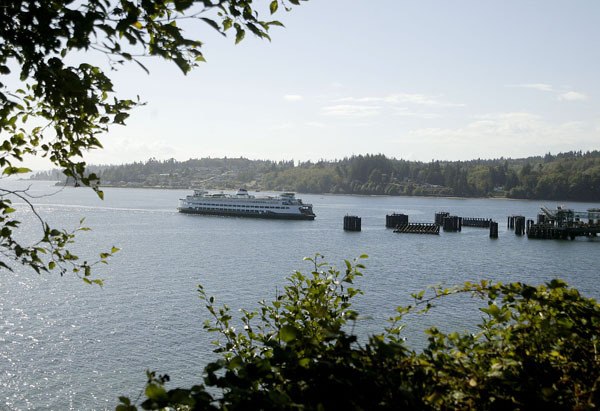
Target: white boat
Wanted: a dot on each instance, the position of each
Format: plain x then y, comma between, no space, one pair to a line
242,204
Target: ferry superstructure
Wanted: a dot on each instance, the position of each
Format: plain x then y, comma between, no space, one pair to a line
242,204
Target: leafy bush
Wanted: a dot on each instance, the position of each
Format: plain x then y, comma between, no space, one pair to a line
536,347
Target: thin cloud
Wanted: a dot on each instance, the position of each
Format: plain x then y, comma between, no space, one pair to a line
535,86
351,110
293,97
404,112
282,126
401,98
388,99
316,124
508,134
572,96
562,95
421,99
390,104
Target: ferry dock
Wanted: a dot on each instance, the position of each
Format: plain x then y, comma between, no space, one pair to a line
560,224
564,223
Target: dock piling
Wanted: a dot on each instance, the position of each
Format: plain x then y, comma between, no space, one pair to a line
493,229
439,217
452,223
394,220
352,223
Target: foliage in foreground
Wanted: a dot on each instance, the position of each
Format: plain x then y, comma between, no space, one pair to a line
536,347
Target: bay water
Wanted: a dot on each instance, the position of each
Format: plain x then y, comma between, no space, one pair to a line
67,345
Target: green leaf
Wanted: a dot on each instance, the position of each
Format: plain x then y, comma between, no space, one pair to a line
212,24
125,400
156,392
120,118
273,6
236,362
15,170
287,333
239,35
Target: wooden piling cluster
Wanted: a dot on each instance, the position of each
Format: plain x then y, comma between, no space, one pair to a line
394,220
493,229
510,223
352,223
559,224
547,231
476,222
517,223
439,217
418,228
452,223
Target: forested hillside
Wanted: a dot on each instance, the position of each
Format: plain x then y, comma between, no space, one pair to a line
565,176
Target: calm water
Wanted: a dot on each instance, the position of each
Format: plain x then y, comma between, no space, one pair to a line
65,345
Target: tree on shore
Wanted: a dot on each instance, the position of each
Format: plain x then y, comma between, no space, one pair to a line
54,104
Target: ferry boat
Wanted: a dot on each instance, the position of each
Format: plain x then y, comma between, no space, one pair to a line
242,204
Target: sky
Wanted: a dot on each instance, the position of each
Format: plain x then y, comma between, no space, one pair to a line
418,80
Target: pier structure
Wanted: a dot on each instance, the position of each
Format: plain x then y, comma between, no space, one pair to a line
561,223
476,222
418,228
564,223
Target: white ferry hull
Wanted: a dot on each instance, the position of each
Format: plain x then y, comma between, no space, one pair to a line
285,206
235,213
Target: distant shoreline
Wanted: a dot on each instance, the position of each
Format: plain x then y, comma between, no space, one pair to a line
330,194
